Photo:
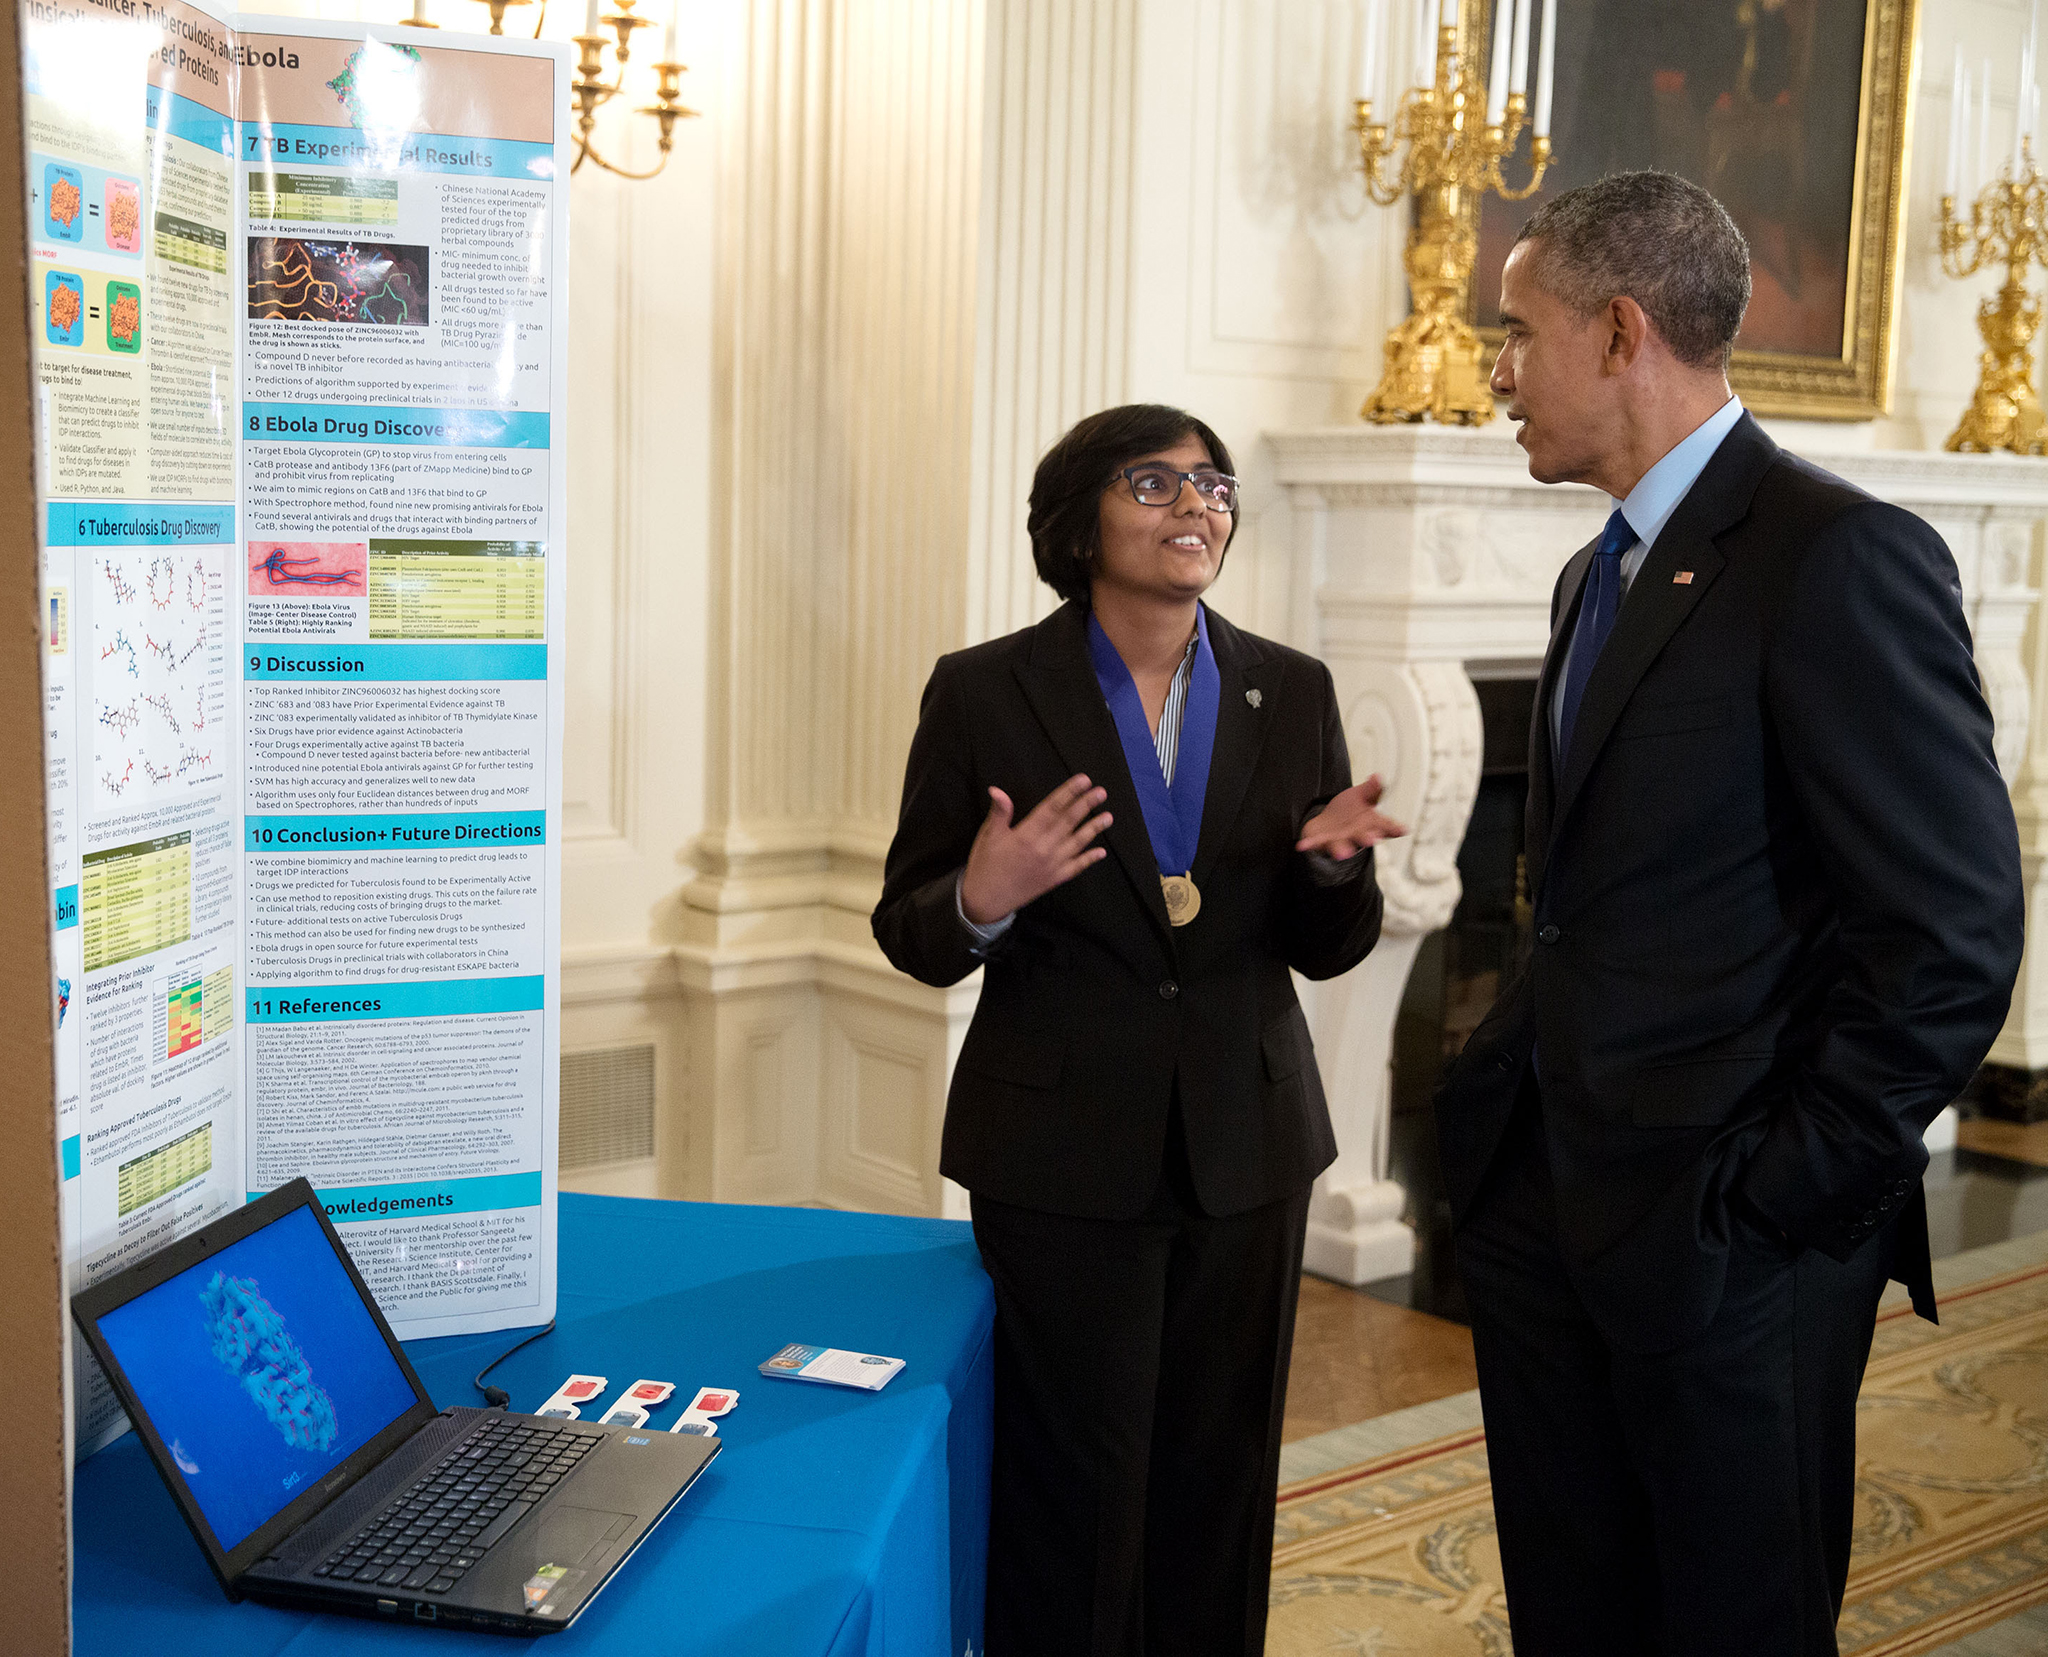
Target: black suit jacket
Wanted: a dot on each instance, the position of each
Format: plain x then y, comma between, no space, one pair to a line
1093,1008
1777,895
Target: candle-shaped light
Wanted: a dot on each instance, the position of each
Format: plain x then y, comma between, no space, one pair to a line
1425,42
419,12
1953,180
1370,28
1497,82
1518,72
1546,68
668,35
1980,174
2028,116
2019,103
590,18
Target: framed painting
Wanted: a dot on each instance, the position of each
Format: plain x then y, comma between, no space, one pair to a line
1794,114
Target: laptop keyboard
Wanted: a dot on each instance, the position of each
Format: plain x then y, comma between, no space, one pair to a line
441,1525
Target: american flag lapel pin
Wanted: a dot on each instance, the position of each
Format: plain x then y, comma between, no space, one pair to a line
1682,579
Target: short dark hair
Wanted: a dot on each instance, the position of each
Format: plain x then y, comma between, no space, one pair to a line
1065,522
1660,240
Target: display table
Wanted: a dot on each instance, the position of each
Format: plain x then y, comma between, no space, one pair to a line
833,1521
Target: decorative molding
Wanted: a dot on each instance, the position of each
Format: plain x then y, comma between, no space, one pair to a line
878,1089
1418,874
764,1092
1290,271
633,973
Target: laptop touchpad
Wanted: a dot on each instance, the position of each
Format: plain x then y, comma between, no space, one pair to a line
576,1535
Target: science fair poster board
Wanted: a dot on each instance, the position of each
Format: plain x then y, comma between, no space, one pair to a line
297,304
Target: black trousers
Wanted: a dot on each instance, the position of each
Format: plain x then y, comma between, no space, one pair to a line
1691,1503
1141,1374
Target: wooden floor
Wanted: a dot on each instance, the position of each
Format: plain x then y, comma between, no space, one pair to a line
2006,1139
1356,1357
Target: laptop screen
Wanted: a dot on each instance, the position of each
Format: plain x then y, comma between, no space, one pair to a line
260,1369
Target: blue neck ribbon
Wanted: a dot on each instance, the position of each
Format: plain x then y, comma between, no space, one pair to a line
1173,817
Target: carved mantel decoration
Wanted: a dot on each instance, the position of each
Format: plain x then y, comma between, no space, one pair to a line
1430,551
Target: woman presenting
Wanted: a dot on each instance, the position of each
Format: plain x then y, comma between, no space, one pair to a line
1138,818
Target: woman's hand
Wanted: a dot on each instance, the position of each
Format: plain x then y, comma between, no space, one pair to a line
1008,867
1349,824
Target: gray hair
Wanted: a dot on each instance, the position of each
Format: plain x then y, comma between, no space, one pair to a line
1658,239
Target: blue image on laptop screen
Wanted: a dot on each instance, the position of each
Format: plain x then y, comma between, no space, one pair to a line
260,1369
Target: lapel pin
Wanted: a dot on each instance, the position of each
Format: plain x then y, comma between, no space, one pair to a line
1253,697
1682,579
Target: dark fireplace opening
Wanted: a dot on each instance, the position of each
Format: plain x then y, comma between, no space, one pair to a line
1457,974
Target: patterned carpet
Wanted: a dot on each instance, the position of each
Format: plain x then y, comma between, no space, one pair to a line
1395,1556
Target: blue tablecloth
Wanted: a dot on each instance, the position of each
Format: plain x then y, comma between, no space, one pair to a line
833,1521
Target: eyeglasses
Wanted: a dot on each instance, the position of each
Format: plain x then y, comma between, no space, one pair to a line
1160,486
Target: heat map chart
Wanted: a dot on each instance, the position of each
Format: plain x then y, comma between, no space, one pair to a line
294,280
159,671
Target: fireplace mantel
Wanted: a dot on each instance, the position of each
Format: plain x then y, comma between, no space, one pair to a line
1429,555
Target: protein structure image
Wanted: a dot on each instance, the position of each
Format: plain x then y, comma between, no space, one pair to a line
282,571
251,1341
293,279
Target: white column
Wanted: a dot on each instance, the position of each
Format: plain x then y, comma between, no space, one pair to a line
850,181
1054,292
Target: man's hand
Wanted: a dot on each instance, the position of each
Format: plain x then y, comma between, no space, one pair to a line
1008,867
1349,824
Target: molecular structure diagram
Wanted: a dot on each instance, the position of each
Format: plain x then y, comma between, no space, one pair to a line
122,719
162,567
189,759
251,1341
120,646
168,654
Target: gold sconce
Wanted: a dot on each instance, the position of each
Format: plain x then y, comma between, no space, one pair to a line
2007,225
590,90
1458,132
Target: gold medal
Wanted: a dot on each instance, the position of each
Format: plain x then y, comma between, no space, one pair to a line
1183,898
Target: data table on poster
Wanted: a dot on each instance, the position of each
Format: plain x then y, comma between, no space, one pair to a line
149,1176
136,900
457,590
198,246
317,198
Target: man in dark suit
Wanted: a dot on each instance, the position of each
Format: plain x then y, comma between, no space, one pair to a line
1778,919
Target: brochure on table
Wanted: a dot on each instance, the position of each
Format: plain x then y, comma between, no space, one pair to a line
297,305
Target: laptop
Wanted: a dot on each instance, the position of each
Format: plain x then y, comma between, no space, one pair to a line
312,1466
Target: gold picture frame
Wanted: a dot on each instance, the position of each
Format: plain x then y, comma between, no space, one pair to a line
1766,94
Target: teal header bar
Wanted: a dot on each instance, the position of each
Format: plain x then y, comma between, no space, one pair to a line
127,524
292,835
390,150
193,122
419,664
320,1004
445,428
428,1199
71,1157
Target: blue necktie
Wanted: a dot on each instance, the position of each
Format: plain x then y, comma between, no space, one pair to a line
1596,621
